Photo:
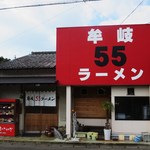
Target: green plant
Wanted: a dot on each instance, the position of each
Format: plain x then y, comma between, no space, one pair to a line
108,107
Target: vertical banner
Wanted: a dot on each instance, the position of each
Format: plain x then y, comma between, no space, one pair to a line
29,96
53,98
37,98
46,99
50,98
42,96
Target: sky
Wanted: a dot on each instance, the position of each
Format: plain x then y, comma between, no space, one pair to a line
27,30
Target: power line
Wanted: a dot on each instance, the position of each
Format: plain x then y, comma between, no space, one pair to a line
132,12
36,26
41,5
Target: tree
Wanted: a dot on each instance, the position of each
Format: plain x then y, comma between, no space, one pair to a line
2,59
108,107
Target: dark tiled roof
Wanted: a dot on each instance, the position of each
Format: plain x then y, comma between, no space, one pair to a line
33,60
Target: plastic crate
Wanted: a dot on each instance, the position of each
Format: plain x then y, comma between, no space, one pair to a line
146,136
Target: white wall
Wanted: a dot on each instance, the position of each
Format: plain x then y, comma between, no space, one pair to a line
92,122
134,127
62,106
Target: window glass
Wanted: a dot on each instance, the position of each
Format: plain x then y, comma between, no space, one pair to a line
132,108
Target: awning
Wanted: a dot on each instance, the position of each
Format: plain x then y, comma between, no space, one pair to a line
27,80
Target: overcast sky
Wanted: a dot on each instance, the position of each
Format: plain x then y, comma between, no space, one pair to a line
27,30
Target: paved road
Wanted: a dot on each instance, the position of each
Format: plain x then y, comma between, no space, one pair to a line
49,146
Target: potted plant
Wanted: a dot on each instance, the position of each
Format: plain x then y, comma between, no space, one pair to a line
108,107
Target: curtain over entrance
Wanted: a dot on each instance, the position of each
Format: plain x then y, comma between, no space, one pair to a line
40,110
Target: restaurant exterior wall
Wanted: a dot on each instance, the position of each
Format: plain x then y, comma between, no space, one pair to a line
129,126
10,91
13,91
125,126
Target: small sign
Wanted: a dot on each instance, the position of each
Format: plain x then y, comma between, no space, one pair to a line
7,129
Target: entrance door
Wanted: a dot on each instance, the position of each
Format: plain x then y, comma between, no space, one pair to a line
37,119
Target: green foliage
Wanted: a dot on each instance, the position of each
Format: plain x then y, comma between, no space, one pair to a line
2,59
108,107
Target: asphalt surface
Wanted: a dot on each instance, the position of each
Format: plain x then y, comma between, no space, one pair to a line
47,143
68,146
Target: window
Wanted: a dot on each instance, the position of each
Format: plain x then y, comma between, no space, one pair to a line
130,91
132,108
